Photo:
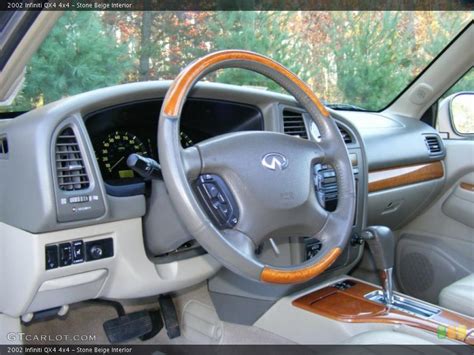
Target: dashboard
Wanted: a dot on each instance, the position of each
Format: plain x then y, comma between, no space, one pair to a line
78,191
111,123
119,131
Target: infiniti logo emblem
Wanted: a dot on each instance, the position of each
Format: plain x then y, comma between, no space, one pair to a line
274,161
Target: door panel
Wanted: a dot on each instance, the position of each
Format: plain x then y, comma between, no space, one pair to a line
437,247
460,203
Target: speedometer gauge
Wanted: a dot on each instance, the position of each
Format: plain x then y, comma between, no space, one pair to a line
114,152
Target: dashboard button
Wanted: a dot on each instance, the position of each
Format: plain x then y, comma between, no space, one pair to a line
221,198
51,252
223,208
96,252
218,200
77,252
65,254
313,247
212,190
99,249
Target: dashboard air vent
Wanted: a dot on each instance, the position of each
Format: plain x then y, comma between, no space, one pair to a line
345,135
3,147
70,168
433,145
293,124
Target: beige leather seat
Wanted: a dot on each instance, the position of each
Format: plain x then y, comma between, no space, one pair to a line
459,296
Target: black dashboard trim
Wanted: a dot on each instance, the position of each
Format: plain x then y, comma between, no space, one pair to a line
125,190
254,120
87,116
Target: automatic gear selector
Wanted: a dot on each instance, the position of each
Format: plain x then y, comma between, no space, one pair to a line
382,245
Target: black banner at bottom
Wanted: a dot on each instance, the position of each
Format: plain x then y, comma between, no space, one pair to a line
236,349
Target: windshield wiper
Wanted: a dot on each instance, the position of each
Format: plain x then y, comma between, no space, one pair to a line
346,107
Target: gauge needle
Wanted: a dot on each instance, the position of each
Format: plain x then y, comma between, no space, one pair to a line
117,163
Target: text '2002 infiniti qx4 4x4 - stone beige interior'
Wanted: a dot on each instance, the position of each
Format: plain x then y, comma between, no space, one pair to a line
236,177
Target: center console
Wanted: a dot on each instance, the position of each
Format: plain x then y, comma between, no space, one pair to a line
354,301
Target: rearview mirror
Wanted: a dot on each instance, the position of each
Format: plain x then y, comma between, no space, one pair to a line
461,111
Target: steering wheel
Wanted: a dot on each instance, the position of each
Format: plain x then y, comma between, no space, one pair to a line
259,184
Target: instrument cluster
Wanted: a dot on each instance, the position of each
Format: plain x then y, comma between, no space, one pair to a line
117,147
119,131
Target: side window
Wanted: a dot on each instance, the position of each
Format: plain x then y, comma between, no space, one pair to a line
456,109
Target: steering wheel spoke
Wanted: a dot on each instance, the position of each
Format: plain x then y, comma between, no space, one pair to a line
241,241
192,162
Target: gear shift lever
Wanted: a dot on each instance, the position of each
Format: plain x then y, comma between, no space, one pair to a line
382,245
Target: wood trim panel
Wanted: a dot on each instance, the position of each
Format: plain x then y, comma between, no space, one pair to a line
299,275
404,175
176,93
467,186
350,306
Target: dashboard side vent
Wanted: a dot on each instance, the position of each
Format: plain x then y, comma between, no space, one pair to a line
433,145
345,135
3,147
70,169
293,124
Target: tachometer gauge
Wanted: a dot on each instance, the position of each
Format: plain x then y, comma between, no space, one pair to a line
186,141
114,152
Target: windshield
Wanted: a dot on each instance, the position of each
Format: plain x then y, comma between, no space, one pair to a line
350,59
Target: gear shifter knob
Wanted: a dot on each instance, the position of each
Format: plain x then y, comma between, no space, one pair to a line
382,245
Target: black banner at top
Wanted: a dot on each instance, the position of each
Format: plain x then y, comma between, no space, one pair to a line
236,5
234,349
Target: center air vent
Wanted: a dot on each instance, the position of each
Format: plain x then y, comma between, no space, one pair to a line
433,145
70,169
345,135
293,124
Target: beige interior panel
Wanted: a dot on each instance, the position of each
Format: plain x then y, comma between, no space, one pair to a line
433,221
27,286
460,203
